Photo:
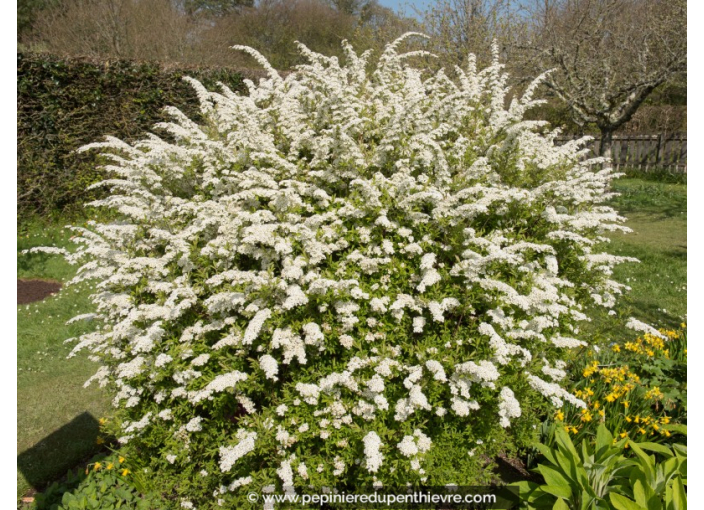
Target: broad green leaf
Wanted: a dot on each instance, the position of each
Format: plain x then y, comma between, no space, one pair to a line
568,465
559,491
668,468
528,491
563,440
678,428
553,477
658,448
547,453
623,503
645,496
603,440
679,496
560,505
647,464
680,449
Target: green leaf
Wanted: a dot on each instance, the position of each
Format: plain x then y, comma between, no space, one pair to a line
559,491
563,440
677,428
553,476
603,440
679,496
547,453
645,496
560,505
623,503
647,463
658,448
668,468
568,465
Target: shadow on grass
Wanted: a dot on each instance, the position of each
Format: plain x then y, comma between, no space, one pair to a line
60,451
655,316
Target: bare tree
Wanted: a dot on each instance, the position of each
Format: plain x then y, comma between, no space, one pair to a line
461,27
215,8
138,29
272,27
608,55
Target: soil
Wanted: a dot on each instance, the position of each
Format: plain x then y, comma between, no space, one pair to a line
29,291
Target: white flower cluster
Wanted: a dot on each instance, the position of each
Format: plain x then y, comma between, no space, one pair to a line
230,455
336,251
508,407
372,447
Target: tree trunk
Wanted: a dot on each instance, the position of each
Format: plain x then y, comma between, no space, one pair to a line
605,143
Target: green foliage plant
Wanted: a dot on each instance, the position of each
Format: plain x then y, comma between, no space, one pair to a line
603,475
638,388
106,484
63,102
345,278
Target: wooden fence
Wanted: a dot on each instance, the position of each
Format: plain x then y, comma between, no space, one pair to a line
645,152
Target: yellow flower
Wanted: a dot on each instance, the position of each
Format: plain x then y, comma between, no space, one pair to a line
665,420
616,348
623,434
560,416
586,415
109,466
102,421
574,430
625,404
590,369
125,472
654,393
628,419
642,431
667,433
100,440
567,428
683,325
120,459
602,413
637,419
97,466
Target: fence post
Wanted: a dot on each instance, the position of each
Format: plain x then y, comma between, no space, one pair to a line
661,146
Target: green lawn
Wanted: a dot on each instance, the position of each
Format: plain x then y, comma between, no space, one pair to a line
57,417
657,214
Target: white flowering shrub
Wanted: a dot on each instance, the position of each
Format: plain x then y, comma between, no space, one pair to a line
342,278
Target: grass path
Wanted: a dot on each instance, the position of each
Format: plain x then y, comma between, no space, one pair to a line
657,214
57,418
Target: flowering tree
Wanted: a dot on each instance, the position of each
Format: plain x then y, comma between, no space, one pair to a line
342,277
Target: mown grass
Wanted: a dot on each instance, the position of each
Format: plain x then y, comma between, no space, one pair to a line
657,214
57,417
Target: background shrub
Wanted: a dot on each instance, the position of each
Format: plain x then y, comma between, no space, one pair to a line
344,278
63,103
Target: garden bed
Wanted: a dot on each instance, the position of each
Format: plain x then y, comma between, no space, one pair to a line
29,291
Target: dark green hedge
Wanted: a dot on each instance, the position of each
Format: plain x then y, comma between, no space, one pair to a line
63,104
